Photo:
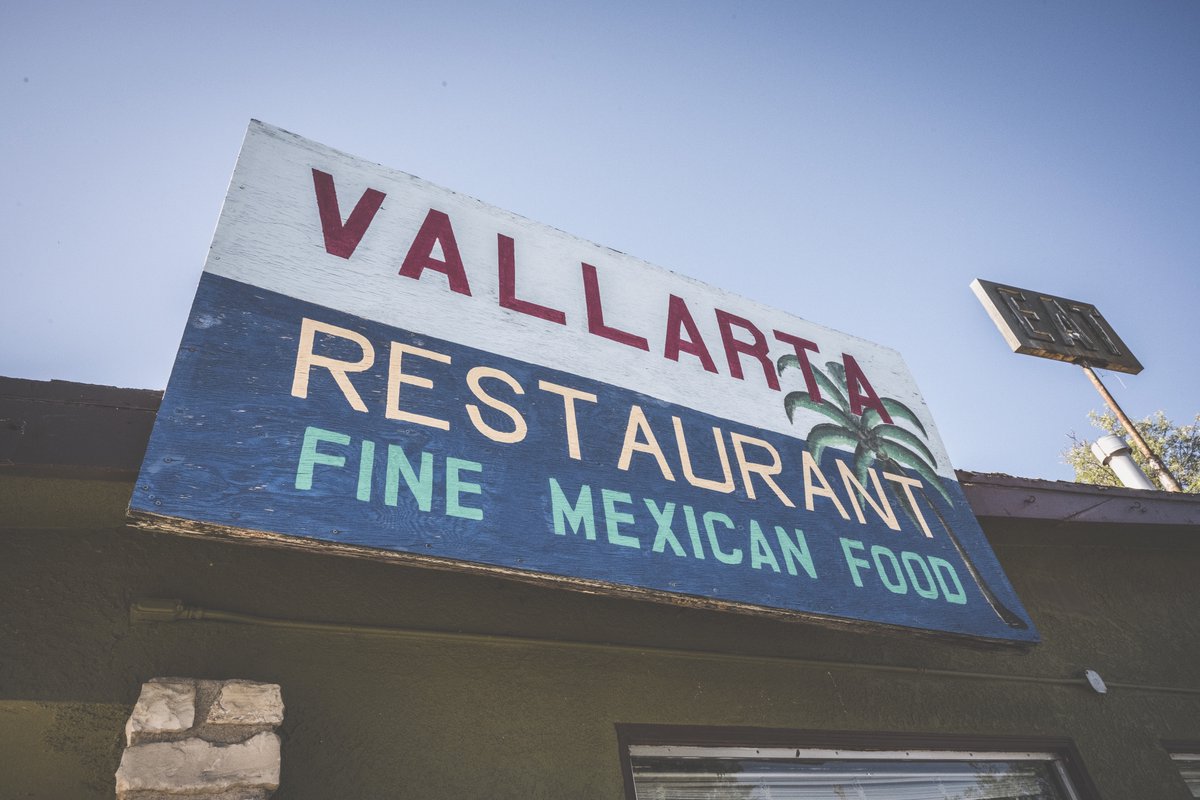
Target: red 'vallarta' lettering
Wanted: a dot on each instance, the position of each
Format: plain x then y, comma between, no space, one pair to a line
801,346
436,230
678,317
507,262
595,313
756,349
862,394
682,334
340,240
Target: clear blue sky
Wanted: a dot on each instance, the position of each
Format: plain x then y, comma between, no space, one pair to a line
856,164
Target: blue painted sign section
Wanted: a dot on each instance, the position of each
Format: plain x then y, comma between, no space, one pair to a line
656,496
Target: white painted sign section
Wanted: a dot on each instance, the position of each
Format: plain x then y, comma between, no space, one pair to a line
269,237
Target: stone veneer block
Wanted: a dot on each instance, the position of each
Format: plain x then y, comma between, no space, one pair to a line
164,706
247,703
196,767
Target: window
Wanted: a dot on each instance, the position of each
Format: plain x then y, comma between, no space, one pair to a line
1189,766
704,772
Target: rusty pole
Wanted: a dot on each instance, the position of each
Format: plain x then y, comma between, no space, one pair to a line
1163,474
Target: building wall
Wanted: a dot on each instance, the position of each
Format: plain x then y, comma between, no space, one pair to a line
427,712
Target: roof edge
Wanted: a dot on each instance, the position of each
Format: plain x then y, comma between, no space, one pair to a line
995,495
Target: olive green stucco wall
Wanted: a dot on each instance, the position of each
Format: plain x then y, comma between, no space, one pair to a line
378,716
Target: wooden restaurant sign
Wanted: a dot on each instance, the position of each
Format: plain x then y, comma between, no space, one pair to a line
377,365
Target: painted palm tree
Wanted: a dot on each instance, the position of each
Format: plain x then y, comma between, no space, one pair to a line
879,441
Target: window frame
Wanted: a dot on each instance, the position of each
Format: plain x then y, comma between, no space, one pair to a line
1185,751
1062,753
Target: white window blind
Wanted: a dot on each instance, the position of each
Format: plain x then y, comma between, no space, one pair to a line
697,773
1189,766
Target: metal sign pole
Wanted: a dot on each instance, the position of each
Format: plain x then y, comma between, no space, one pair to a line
1164,475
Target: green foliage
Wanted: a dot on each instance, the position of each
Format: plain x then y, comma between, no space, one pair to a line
1177,445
